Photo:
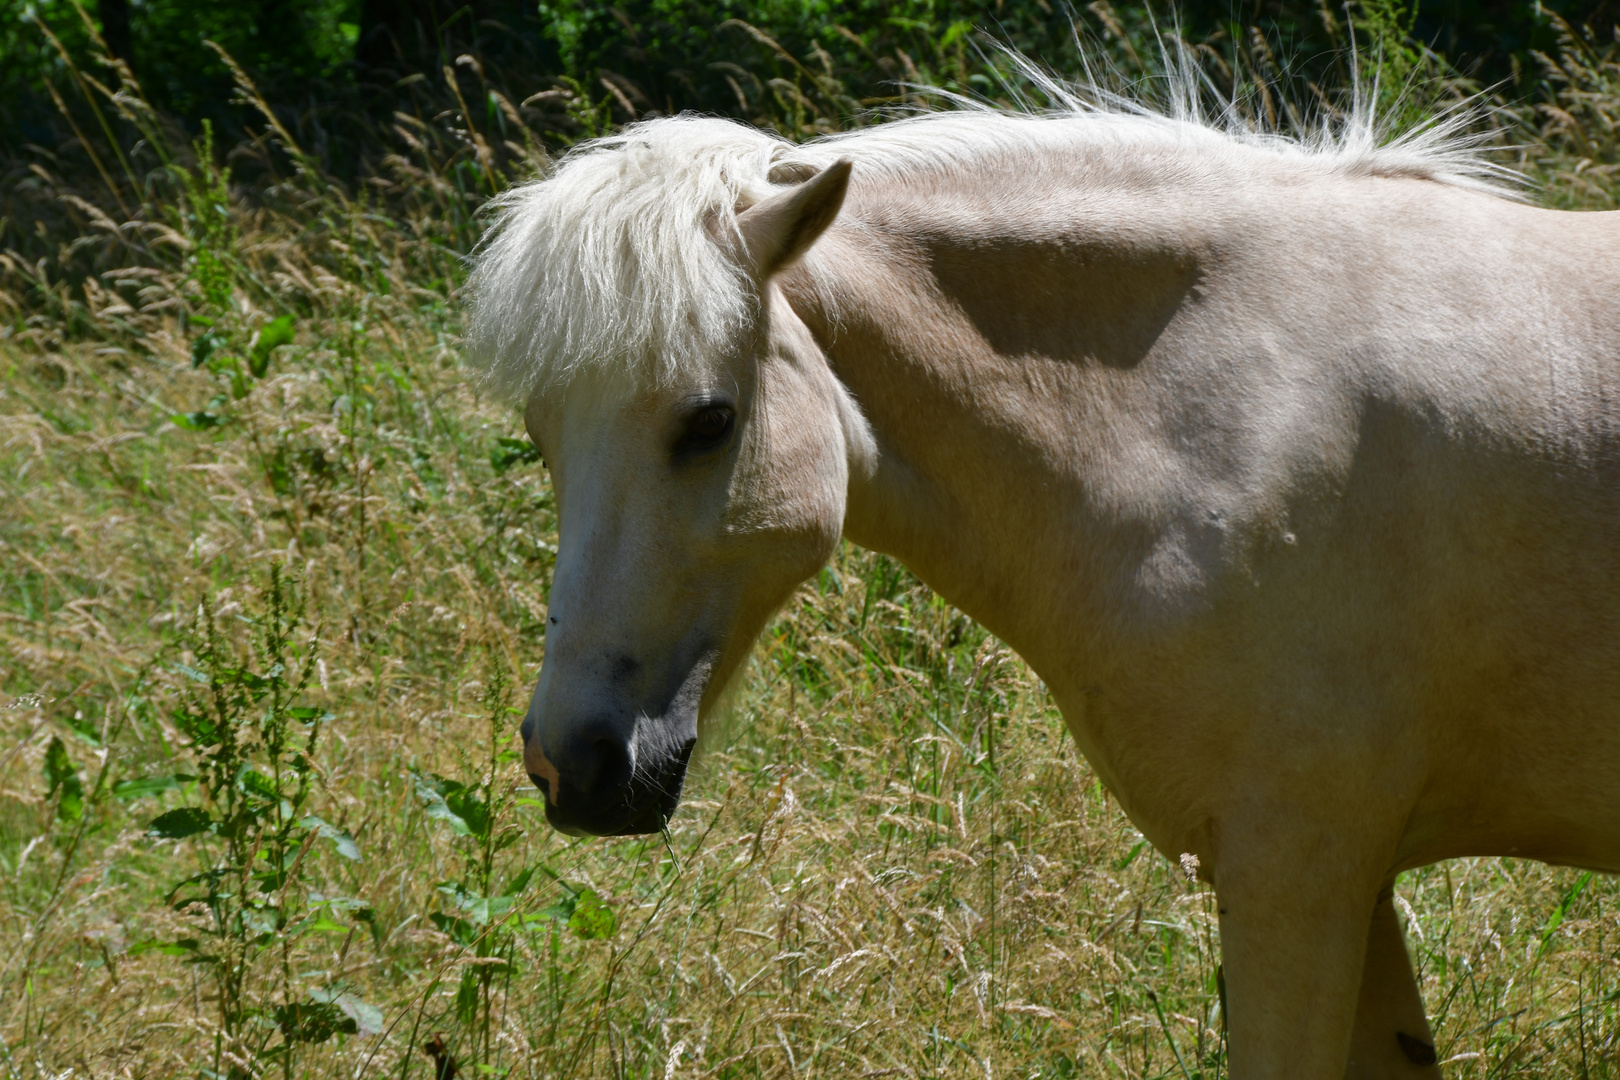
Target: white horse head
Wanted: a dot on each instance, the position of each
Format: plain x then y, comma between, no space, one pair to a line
694,491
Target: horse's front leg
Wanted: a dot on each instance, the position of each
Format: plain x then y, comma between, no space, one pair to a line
1296,887
1392,1039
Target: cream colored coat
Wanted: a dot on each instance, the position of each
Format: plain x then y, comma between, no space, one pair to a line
1300,488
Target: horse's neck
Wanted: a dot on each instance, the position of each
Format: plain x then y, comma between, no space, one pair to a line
1072,408
981,364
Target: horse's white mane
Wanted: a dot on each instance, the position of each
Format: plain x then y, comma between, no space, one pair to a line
609,263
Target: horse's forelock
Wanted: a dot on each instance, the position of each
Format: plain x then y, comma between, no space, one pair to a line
609,263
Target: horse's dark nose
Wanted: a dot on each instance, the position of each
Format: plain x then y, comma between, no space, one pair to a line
598,785
588,777
598,765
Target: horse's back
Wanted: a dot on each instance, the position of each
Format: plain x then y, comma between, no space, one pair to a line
1465,519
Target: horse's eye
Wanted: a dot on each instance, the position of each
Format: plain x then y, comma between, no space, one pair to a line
708,429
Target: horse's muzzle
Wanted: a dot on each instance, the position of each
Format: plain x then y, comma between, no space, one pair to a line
600,784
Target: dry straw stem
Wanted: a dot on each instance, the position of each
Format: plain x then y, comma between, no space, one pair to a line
891,862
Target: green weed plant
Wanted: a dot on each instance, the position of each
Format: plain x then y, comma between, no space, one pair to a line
255,750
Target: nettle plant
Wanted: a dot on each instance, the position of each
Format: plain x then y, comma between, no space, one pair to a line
252,830
233,346
481,919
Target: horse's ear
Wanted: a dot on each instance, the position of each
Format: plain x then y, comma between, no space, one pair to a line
780,229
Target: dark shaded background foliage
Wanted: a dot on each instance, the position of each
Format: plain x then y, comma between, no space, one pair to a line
439,103
332,57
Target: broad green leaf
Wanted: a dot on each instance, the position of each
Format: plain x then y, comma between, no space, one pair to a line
359,908
312,1021
58,767
519,883
251,679
368,1019
461,931
468,804
457,893
484,910
167,948
257,783
956,31
62,775
592,918
148,786
201,420
179,824
192,673
341,840
271,881
198,727
467,996
563,909
203,348
272,336
431,790
479,908
509,452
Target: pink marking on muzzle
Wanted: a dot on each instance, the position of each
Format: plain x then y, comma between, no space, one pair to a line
535,760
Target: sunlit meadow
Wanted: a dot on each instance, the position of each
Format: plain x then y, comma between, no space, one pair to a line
273,580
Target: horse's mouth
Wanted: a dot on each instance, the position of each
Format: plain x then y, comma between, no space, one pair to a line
640,824
642,806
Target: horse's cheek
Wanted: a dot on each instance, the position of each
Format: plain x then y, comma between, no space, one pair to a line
799,483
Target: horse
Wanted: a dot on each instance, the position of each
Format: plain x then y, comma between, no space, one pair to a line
1290,464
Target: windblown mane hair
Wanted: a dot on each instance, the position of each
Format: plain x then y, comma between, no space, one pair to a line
609,262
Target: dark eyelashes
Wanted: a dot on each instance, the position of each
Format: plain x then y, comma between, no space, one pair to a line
708,429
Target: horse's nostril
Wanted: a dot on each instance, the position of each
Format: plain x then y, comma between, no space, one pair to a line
593,785
602,766
613,761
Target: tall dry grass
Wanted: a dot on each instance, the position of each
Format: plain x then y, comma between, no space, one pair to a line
891,861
